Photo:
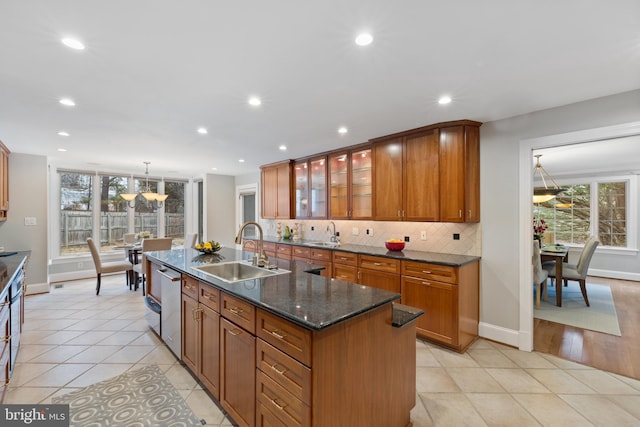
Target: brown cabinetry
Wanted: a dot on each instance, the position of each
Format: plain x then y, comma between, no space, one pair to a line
449,297
276,200
4,181
310,178
379,272
345,266
351,184
313,256
5,343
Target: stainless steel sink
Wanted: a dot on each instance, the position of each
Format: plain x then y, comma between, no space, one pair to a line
325,244
238,271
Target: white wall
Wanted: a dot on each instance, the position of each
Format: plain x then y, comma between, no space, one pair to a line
28,198
500,174
220,208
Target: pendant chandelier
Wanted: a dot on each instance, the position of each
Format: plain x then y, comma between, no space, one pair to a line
146,192
546,193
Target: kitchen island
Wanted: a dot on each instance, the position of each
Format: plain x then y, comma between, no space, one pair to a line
295,348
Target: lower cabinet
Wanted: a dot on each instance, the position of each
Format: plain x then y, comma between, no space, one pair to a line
5,343
379,272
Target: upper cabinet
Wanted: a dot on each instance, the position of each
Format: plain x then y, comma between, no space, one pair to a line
427,174
276,190
310,178
351,184
4,182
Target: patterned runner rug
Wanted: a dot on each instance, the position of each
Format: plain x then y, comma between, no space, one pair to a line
144,397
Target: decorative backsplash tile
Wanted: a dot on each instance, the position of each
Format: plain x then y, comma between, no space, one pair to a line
439,235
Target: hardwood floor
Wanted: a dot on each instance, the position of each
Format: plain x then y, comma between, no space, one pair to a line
620,355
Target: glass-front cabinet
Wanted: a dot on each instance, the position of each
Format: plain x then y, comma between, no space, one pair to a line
311,188
350,192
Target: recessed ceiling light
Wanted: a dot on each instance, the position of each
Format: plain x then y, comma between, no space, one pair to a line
73,43
255,101
283,147
214,169
202,131
444,99
62,150
364,39
342,130
68,102
63,133
241,160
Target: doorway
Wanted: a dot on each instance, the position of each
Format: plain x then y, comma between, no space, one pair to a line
247,207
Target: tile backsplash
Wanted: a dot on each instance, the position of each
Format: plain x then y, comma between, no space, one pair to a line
439,235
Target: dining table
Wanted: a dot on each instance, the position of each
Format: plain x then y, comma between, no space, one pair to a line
559,254
133,251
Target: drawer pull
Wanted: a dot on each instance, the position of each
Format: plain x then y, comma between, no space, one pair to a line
377,264
188,287
4,304
279,371
280,407
426,283
207,296
6,338
343,258
235,332
277,335
235,310
426,271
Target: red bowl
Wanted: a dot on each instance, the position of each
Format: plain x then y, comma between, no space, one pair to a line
394,246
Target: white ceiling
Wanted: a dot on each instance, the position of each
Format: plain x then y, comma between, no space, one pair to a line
155,70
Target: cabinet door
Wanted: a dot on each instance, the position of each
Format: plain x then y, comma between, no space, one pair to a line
318,188
339,186
284,192
380,280
237,373
301,185
346,273
361,185
190,332
209,334
387,158
421,175
452,174
269,192
440,304
472,169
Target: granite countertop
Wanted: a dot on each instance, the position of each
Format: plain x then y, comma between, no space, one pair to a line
408,255
310,300
9,266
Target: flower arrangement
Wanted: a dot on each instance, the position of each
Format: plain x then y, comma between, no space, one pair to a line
539,227
208,247
143,235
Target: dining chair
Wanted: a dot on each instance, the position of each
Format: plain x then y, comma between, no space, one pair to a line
540,275
578,272
108,267
190,240
551,265
149,245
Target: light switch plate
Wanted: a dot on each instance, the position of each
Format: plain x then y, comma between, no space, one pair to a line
423,235
30,220
355,231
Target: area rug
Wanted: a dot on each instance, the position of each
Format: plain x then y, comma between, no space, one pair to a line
143,397
601,316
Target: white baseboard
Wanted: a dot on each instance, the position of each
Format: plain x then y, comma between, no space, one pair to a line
71,275
622,275
499,334
37,288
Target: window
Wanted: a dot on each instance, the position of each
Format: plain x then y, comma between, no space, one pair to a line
76,212
114,217
145,217
174,211
582,209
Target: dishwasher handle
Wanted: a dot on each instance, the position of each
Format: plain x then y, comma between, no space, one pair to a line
171,278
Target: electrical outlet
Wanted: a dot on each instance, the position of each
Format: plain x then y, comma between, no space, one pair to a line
30,220
423,235
456,236
313,228
406,238
355,231
370,232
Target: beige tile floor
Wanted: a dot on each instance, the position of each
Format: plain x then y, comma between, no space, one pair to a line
74,338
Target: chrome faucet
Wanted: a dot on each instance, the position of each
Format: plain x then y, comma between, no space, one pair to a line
333,238
262,259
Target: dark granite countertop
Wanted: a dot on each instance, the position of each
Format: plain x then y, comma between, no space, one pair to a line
310,300
408,255
9,266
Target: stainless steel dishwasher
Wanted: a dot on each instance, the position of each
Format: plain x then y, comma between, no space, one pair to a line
170,318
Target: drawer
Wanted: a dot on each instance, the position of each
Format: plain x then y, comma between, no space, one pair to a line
269,248
346,258
424,270
320,254
285,370
281,403
239,312
346,273
283,251
265,418
379,263
290,338
190,286
209,296
301,252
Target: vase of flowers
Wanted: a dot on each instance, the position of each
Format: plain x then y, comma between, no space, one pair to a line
539,227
